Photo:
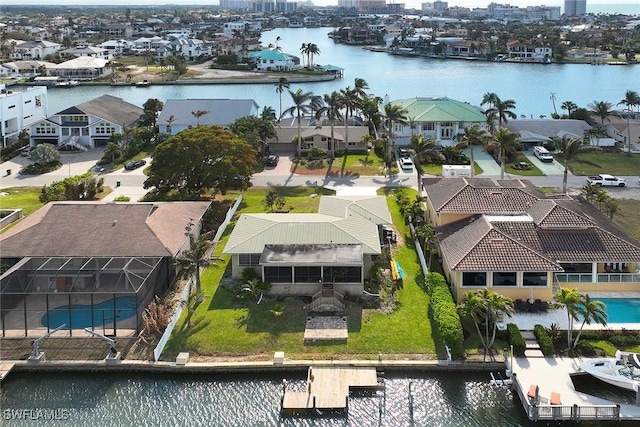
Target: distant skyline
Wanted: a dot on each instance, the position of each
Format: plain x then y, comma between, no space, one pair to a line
409,3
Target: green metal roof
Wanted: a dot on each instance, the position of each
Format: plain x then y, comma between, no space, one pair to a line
269,54
440,109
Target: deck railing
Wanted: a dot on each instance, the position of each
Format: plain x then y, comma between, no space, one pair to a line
600,277
541,411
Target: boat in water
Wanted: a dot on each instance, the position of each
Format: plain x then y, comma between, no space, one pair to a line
67,83
623,370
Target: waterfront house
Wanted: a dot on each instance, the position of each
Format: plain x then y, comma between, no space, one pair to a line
272,60
538,132
178,114
36,49
507,236
90,257
20,108
92,51
190,49
20,69
86,125
80,68
317,134
299,254
529,52
436,117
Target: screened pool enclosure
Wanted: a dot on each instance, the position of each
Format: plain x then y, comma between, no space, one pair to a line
105,294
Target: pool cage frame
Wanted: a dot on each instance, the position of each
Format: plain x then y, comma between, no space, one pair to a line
37,294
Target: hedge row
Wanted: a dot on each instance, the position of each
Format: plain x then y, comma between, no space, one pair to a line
444,314
516,339
544,340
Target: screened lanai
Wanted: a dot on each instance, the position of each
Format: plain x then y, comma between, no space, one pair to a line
105,294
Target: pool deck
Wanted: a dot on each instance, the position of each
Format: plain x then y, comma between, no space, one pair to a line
553,375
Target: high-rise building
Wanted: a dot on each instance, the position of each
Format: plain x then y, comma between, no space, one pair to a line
575,7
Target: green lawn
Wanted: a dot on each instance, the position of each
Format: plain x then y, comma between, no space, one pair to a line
348,165
222,326
628,217
534,171
25,198
436,169
594,162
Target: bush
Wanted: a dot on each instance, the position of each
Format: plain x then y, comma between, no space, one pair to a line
444,314
79,187
39,169
544,340
585,348
122,199
623,341
516,339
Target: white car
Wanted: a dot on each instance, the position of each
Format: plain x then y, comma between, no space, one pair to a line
606,180
406,164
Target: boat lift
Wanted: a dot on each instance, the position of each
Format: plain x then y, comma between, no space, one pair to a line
37,356
114,355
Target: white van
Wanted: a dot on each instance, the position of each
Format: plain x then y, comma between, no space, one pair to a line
542,153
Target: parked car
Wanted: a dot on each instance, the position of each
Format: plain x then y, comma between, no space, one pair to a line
134,164
406,164
272,160
404,153
607,180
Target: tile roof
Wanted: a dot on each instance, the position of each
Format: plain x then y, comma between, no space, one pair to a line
440,109
102,229
548,214
489,200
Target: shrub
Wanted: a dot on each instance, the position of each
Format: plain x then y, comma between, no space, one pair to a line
544,340
79,187
122,199
444,314
40,168
585,348
623,341
516,339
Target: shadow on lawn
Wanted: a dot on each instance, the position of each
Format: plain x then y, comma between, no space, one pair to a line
262,319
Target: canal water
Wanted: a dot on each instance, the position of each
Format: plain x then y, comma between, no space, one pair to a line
451,399
530,85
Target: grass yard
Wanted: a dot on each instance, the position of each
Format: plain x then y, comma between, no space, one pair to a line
348,165
628,217
25,198
534,171
223,327
436,169
595,162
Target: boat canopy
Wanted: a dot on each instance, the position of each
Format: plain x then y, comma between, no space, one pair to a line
634,360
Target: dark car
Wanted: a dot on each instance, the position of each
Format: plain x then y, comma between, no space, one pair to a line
272,160
134,164
404,153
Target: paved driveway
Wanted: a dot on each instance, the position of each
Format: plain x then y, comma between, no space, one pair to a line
485,161
547,168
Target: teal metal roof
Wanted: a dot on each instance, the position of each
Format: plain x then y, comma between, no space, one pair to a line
440,109
269,55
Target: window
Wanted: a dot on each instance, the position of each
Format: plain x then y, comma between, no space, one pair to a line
45,129
85,131
307,274
105,129
474,278
65,131
342,274
428,126
534,278
504,278
278,274
248,260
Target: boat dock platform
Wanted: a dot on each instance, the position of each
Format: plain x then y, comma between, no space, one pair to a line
5,368
328,388
547,393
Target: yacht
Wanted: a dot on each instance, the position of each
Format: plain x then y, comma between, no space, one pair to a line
621,371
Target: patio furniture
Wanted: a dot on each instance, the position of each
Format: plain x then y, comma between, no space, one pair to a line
555,398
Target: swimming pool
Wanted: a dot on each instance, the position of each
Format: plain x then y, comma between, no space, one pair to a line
622,310
86,316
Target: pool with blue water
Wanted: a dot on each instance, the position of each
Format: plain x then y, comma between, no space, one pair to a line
78,316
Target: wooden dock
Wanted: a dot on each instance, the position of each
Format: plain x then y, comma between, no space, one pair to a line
5,368
328,388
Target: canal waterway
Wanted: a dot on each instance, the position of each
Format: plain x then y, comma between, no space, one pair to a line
530,85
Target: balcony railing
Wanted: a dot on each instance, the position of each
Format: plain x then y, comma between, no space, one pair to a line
601,277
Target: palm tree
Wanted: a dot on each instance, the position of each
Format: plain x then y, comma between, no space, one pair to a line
489,99
482,307
303,103
191,261
426,234
553,100
503,110
570,149
312,50
394,114
504,140
602,109
370,109
304,50
331,109
280,87
568,299
474,135
569,106
591,311
197,114
631,99
350,101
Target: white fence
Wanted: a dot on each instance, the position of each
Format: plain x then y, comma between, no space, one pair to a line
423,262
184,297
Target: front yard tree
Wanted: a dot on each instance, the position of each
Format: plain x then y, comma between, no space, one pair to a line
44,153
482,307
196,159
151,108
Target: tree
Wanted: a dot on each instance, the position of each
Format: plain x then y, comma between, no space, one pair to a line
568,299
505,141
601,109
631,99
426,234
370,108
78,187
394,114
255,130
482,307
591,311
151,108
44,153
474,135
350,101
280,87
312,50
196,159
553,101
502,109
303,103
190,263
304,50
570,149
197,114
113,151
331,108
569,106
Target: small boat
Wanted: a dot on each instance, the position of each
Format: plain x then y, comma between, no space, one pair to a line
143,83
67,83
621,371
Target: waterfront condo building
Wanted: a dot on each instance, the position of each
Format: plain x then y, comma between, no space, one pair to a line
575,7
19,109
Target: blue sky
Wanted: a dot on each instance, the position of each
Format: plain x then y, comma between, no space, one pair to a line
468,3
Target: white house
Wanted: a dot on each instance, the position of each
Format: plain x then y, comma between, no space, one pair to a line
190,49
37,49
272,60
20,109
80,68
528,52
92,51
86,125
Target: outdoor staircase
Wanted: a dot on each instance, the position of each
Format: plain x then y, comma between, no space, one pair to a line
72,142
532,346
327,301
